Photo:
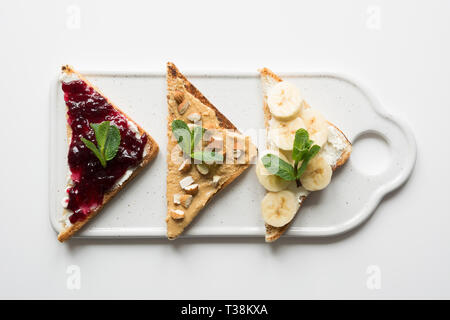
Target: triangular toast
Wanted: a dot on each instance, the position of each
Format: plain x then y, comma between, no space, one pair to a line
136,144
269,79
179,91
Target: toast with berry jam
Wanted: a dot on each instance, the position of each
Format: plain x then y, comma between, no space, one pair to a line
107,149
195,177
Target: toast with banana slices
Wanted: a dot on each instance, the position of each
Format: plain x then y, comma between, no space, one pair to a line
107,149
205,152
303,150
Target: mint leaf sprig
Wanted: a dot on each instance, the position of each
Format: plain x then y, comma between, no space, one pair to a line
303,151
108,141
188,139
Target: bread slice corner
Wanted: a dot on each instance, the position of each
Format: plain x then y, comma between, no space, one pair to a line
269,79
176,81
151,150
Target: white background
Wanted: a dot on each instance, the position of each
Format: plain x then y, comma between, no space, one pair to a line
402,55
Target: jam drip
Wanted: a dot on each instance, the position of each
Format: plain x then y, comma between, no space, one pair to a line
90,180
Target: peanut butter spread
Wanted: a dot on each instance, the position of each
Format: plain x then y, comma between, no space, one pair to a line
184,106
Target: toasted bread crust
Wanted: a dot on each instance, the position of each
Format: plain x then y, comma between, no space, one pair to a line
172,75
151,152
273,233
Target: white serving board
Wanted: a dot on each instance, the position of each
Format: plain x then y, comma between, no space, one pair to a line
139,209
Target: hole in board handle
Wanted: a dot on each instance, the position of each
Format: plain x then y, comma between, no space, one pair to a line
371,153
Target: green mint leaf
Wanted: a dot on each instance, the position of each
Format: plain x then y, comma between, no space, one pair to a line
278,167
108,141
192,141
101,134
311,153
301,144
91,146
208,157
299,154
112,143
182,133
197,135
179,124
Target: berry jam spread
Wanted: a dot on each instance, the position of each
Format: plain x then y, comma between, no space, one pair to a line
90,180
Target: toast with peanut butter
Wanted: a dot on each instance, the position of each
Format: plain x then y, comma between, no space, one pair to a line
205,152
297,134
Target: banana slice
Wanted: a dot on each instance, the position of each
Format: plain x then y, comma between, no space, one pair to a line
270,181
317,174
282,134
279,208
316,124
284,101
